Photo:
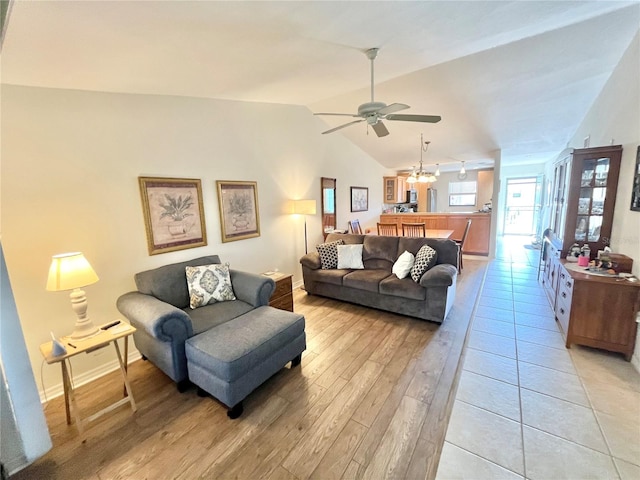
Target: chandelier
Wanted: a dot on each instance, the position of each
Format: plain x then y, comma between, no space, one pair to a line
421,176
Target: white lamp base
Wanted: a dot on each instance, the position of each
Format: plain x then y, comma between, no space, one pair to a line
84,326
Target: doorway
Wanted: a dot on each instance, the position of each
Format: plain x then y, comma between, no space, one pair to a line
522,212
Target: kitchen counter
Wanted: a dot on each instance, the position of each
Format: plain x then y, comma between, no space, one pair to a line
477,240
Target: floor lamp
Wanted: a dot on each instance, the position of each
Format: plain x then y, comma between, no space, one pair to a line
304,207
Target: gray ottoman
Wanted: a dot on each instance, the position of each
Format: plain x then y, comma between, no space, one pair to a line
233,359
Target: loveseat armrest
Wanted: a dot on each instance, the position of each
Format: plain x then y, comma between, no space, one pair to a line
311,260
442,275
251,288
158,319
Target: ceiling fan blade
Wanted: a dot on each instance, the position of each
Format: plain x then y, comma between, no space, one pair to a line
415,118
394,107
340,114
380,129
342,126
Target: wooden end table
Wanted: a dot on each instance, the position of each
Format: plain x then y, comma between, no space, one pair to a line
282,297
76,347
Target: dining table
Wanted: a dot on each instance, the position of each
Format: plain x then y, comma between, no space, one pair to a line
433,233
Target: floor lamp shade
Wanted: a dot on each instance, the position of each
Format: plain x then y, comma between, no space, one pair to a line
304,207
72,271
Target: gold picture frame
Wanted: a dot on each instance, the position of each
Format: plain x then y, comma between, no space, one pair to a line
239,213
173,213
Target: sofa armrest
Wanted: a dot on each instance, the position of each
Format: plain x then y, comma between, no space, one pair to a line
442,275
158,319
311,260
251,288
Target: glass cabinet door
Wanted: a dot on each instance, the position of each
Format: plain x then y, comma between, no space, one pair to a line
593,192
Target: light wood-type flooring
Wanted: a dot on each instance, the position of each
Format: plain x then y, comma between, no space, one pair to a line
371,400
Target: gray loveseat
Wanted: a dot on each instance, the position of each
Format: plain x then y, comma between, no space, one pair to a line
164,321
375,286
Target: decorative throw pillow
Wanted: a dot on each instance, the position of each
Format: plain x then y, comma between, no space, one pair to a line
209,284
403,264
425,259
350,256
329,254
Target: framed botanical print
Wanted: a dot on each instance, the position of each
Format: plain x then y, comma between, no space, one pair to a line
173,213
359,199
239,216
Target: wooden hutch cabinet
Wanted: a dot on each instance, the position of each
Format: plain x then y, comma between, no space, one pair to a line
395,189
584,197
592,310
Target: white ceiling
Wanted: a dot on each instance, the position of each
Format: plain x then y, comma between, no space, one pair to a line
514,76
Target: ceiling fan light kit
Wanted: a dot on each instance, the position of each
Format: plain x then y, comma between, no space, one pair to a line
374,112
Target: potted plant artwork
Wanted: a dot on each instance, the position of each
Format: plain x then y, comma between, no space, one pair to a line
176,207
240,209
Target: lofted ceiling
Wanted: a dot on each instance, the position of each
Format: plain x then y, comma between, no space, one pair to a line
509,76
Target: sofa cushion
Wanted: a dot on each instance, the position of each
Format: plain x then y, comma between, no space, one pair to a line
425,259
169,282
403,265
350,256
404,288
380,252
208,284
365,279
329,254
204,318
334,277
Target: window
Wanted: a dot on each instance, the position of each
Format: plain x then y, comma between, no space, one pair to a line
462,194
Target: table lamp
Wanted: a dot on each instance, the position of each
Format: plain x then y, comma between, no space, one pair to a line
304,207
71,271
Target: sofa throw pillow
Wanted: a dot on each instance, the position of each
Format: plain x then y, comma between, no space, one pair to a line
209,284
403,264
329,254
350,256
425,259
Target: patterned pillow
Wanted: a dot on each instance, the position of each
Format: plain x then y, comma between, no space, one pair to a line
209,284
329,254
425,259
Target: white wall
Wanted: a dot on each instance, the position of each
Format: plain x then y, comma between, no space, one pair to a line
614,119
70,163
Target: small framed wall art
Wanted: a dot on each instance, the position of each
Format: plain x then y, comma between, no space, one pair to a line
239,216
635,190
173,213
359,199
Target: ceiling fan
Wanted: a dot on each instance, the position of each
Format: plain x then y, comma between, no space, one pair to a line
374,112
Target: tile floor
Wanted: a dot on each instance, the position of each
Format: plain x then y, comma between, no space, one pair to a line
527,407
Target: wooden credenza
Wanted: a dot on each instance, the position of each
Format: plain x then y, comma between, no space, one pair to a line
597,311
282,296
477,240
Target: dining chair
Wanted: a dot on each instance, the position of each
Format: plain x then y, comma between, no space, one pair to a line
460,244
414,230
354,227
388,229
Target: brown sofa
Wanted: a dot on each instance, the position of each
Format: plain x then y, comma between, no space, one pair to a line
375,286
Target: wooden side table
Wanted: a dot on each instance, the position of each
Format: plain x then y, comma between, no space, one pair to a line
282,297
75,347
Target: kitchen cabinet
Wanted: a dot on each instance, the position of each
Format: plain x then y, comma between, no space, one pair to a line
477,240
395,189
584,196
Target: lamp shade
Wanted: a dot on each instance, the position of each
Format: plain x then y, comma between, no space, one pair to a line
304,207
69,271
